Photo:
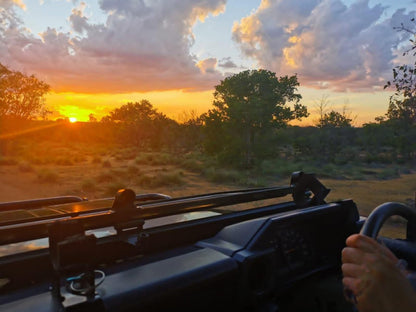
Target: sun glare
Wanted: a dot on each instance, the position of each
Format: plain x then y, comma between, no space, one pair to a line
72,119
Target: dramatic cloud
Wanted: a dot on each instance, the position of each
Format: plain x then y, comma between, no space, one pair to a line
329,44
143,46
227,63
208,65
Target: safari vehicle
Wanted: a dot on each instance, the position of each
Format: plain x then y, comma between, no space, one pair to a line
151,252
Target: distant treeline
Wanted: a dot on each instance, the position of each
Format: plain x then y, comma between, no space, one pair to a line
384,142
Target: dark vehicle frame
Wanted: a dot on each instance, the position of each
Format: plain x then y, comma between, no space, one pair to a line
188,253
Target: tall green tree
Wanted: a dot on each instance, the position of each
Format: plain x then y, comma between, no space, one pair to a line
248,106
21,95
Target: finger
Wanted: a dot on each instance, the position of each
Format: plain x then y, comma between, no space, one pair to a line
367,244
352,255
387,252
352,284
362,242
353,270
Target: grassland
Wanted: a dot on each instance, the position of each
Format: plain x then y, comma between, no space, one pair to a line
52,169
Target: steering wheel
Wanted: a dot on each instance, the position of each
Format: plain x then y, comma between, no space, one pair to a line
377,217
405,249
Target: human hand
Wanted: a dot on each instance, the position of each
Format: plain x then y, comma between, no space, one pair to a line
371,273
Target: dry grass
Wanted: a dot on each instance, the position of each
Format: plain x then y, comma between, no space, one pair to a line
95,171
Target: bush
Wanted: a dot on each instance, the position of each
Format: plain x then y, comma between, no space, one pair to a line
47,176
279,167
96,159
25,167
155,159
105,177
106,164
161,179
64,161
7,161
192,164
132,171
388,173
89,186
112,189
223,175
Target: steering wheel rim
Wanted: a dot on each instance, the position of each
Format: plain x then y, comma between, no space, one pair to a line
380,214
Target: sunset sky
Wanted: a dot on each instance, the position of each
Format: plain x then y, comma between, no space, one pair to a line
97,55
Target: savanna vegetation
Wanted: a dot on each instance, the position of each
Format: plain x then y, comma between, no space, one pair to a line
245,140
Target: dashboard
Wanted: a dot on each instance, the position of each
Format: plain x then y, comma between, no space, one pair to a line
238,268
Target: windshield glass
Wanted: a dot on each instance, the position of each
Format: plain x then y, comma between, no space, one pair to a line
192,97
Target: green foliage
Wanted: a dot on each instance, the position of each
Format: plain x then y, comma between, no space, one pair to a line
155,158
402,106
402,112
220,175
141,125
247,106
335,119
171,178
21,96
388,173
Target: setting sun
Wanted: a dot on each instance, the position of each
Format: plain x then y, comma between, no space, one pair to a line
72,119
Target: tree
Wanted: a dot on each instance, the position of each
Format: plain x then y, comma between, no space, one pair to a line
401,114
335,119
248,106
402,105
140,124
20,95
137,112
92,118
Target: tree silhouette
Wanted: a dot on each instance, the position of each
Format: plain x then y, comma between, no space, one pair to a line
402,105
20,95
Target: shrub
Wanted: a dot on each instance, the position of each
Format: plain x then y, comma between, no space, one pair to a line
132,171
89,186
105,177
388,173
7,161
25,167
155,159
161,179
111,190
64,161
192,164
47,176
222,175
96,159
106,164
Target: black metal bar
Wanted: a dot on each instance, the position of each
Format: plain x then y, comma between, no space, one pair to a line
106,217
37,203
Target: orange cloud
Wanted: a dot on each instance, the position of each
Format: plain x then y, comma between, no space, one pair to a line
143,46
20,4
329,44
